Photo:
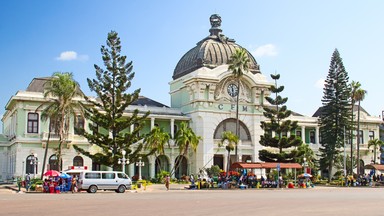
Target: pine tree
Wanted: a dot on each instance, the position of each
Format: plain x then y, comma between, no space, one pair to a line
334,117
276,115
110,128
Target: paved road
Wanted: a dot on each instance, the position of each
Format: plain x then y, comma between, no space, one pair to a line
157,201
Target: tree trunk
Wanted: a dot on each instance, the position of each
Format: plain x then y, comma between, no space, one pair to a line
358,140
237,116
228,162
45,153
351,137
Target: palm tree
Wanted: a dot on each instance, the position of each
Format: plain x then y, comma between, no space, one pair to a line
229,140
359,96
185,139
354,86
156,140
375,143
238,64
60,91
306,152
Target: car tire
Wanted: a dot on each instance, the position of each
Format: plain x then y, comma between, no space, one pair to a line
92,189
121,189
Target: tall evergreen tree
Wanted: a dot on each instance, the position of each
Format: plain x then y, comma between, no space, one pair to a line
277,113
110,128
334,117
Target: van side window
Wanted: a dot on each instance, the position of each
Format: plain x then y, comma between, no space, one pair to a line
92,175
108,175
122,176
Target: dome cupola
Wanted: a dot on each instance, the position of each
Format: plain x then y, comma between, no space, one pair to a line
212,51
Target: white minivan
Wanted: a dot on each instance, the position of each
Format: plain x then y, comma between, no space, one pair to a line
91,181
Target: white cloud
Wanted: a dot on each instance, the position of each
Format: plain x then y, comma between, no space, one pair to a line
320,83
265,50
71,55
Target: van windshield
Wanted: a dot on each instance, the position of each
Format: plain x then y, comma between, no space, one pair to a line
122,175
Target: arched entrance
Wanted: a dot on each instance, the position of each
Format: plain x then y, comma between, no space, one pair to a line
230,125
181,166
54,163
161,163
31,165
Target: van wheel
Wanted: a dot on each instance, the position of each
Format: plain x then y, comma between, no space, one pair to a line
92,189
121,189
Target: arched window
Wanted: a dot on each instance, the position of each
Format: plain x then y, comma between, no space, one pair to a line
230,125
31,164
78,161
54,163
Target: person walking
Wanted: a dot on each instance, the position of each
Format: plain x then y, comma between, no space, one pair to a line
167,181
74,184
27,181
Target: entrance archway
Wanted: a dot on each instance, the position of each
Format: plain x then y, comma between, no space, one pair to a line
230,125
161,163
181,166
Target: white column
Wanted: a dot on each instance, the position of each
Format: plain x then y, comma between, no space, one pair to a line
131,170
152,166
132,127
152,123
303,133
172,163
288,133
317,136
225,162
172,128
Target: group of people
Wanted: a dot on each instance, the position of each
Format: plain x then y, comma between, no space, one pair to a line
365,179
58,185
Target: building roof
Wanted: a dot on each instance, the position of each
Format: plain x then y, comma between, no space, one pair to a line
212,51
355,108
37,84
379,167
144,101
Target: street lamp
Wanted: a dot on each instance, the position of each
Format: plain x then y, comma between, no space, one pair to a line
34,162
140,164
123,161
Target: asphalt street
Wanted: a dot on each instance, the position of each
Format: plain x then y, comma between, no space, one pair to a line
155,200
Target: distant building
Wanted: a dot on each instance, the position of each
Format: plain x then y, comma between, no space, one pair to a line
203,93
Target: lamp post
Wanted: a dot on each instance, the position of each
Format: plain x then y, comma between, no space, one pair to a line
22,171
34,162
140,164
123,161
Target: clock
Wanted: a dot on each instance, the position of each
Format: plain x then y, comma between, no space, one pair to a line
233,90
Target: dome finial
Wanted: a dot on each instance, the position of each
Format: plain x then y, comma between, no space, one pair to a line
215,20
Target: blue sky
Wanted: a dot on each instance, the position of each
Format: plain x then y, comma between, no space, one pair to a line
294,38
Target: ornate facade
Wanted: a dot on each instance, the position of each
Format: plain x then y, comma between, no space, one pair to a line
203,92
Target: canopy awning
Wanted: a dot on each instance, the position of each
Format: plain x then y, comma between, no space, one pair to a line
375,166
266,165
